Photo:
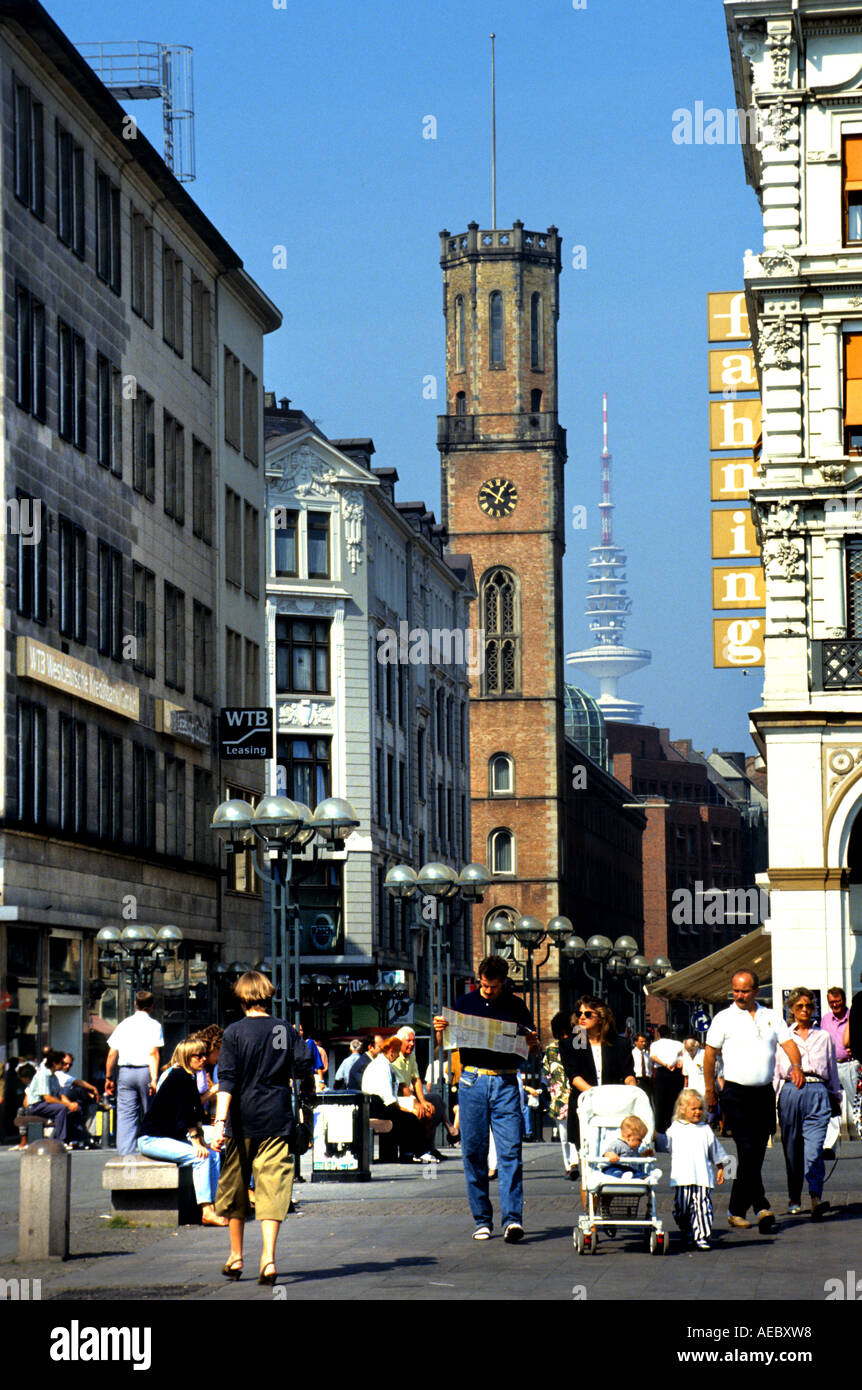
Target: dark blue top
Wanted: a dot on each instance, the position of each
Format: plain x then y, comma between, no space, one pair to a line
508,1008
259,1058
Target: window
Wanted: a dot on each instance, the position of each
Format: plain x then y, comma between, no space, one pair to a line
32,763
32,559
251,529
852,188
175,468
72,383
495,335
29,352
502,852
175,806
241,877
305,767
301,656
145,620
201,329
318,545
73,580
284,530
172,300
109,412
144,796
175,637
390,789
29,150
461,404
73,775
502,770
202,620
70,191
110,602
204,840
252,673
420,764
402,797
144,445
142,267
853,546
402,694
535,400
459,334
110,787
107,230
202,491
462,732
232,537
500,617
853,393
233,655
250,416
536,355
232,401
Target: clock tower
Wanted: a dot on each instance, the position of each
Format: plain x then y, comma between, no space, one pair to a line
502,457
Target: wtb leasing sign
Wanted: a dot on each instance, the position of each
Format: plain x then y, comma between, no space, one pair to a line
245,733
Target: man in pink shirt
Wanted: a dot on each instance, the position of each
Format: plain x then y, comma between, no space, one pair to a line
834,1023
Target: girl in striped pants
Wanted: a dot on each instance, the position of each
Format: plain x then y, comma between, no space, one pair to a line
696,1165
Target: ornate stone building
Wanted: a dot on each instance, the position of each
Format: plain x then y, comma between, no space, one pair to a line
799,66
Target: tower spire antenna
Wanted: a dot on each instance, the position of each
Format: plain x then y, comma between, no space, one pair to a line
493,140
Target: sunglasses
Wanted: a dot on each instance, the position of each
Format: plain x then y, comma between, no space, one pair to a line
586,1013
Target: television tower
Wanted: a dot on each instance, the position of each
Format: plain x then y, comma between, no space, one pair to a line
608,607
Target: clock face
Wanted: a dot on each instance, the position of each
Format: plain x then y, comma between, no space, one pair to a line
498,497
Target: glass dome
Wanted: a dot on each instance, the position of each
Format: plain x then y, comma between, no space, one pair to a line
585,724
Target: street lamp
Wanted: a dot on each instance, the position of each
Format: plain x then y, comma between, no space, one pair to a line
137,952
283,828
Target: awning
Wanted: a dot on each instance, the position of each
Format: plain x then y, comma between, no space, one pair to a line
708,980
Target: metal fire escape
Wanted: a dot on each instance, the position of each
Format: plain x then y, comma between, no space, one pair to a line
140,71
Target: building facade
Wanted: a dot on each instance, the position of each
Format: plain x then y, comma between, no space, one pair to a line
797,65
502,454
120,447
368,650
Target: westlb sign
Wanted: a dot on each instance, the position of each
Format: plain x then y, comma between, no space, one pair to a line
245,733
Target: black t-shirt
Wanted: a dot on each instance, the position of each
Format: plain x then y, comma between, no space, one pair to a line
258,1059
508,1008
175,1108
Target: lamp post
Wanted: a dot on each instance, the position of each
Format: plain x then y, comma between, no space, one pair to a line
283,829
447,888
598,950
529,933
137,952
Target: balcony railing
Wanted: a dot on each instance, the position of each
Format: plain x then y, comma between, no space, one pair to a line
533,427
837,664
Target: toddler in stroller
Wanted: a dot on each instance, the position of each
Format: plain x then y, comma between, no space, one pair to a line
626,1201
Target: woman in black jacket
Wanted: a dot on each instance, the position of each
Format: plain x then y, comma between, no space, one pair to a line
173,1127
593,1056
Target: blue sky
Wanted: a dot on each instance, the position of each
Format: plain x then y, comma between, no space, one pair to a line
309,127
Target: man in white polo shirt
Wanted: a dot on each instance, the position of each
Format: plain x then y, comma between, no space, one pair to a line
133,1051
747,1036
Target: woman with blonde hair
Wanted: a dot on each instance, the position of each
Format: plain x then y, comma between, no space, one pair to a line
173,1128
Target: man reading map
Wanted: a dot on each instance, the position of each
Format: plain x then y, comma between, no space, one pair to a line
488,1094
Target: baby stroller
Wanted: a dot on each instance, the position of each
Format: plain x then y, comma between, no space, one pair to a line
616,1202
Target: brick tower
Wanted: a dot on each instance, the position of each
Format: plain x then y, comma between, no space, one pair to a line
502,495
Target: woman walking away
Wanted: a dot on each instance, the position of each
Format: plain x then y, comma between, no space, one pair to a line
804,1113
173,1127
260,1056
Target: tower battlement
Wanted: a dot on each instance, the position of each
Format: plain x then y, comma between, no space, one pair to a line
502,244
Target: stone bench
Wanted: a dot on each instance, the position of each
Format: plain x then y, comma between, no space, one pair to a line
150,1191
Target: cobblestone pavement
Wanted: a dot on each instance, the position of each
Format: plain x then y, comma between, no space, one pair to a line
414,1224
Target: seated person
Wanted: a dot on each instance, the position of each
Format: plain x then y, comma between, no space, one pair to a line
45,1097
629,1145
79,1090
207,1078
173,1128
379,1082
24,1073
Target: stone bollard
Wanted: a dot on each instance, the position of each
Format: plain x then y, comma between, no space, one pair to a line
43,1211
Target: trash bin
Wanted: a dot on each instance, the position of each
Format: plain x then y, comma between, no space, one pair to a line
341,1146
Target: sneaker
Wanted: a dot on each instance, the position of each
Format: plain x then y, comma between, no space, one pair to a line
436,1155
739,1222
482,1233
703,1245
765,1221
794,1209
431,1156
513,1233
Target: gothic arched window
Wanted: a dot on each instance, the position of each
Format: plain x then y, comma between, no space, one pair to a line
495,321
536,332
460,356
500,613
501,770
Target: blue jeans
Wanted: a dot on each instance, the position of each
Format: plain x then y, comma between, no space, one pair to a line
804,1117
205,1174
487,1101
133,1099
